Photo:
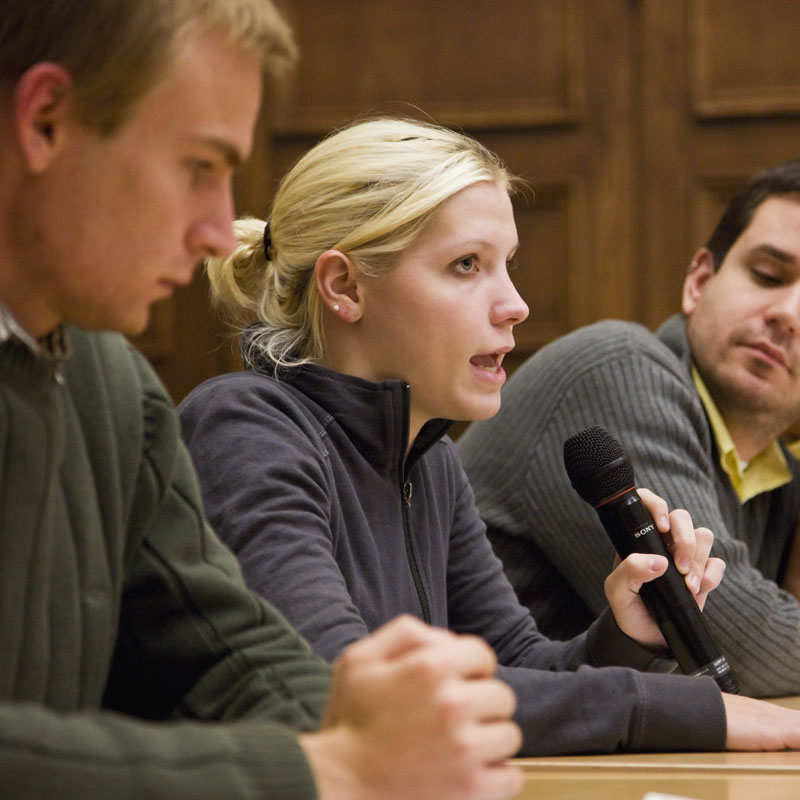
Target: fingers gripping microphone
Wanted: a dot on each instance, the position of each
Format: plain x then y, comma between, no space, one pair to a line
602,474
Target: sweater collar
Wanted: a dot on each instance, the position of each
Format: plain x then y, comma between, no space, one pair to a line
673,334
54,345
373,415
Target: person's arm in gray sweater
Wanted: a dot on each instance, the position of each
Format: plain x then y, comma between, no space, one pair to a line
620,377
597,708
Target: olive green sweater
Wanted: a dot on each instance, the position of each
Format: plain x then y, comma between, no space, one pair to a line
134,663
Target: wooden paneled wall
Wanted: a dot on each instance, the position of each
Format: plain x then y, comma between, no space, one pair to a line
632,120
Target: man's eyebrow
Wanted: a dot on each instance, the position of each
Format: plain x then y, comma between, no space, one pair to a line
231,154
773,252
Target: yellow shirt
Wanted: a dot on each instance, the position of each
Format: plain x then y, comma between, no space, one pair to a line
764,472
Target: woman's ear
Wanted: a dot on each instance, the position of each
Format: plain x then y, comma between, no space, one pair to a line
338,285
42,105
700,270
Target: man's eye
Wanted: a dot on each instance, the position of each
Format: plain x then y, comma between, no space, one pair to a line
766,278
200,169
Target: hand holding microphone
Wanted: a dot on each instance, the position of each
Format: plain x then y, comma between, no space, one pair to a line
602,474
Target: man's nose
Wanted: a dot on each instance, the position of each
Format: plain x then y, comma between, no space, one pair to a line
212,234
784,312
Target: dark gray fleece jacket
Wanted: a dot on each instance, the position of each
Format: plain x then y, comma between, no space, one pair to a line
307,479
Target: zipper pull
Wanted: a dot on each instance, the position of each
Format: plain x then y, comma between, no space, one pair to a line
407,488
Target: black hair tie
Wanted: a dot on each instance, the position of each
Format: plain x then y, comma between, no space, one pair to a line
267,242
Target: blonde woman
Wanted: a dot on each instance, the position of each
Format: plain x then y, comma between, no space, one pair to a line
382,307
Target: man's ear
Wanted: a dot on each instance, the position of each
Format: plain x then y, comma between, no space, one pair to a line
700,270
41,105
337,280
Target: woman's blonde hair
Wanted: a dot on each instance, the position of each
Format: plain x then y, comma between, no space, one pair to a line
367,190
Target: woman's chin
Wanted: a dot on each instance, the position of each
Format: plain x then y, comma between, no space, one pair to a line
479,411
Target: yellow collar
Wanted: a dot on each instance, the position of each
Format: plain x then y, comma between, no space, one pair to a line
764,472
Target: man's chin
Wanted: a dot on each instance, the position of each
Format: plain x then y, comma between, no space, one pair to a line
759,395
132,323
136,328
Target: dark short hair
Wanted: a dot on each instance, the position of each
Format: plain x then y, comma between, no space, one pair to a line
777,181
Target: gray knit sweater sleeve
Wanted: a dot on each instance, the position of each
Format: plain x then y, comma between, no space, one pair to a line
622,377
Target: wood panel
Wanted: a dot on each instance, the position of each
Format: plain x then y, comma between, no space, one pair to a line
632,120
744,57
719,96
475,64
709,200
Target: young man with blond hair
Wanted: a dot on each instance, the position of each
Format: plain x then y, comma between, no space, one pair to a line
135,662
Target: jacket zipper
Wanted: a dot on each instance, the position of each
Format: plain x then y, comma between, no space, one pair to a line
406,488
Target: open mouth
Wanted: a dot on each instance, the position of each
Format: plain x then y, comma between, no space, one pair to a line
490,362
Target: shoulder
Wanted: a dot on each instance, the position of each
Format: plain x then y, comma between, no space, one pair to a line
590,353
590,376
106,358
120,402
105,371
609,339
251,410
240,391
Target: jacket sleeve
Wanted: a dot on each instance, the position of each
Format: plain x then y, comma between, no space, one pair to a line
262,467
630,384
209,686
573,696
45,754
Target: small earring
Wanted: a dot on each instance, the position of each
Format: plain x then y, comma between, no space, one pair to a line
335,306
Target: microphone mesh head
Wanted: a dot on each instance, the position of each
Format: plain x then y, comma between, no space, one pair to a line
597,466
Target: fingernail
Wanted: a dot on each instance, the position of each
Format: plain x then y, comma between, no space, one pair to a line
663,523
684,566
655,564
694,583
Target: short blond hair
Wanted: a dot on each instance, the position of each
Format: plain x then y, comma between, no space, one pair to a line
116,50
367,190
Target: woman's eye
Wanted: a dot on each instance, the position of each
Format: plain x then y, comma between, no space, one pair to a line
465,265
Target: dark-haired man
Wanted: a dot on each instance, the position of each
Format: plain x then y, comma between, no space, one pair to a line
701,406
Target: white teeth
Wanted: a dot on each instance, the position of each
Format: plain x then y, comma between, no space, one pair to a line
489,363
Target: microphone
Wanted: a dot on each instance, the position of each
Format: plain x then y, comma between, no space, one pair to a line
601,472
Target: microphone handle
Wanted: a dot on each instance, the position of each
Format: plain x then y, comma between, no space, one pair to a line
631,529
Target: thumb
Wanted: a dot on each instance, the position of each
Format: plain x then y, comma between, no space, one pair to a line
636,570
